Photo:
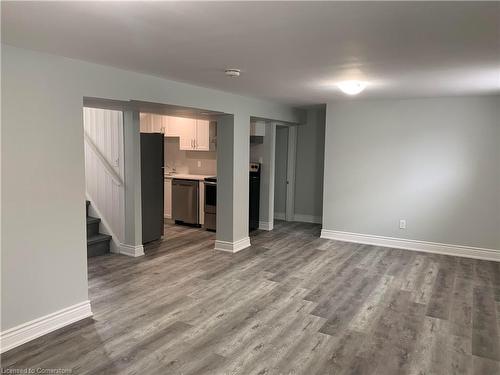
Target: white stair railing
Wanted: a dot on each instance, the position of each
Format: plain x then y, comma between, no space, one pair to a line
107,167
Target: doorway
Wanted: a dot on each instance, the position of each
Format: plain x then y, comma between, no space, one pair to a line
284,175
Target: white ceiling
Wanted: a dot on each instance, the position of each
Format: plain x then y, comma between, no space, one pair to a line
293,52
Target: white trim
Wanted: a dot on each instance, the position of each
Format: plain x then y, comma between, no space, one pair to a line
130,250
407,244
279,215
265,225
232,247
307,218
28,331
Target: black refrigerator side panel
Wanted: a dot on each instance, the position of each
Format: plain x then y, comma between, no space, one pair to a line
152,191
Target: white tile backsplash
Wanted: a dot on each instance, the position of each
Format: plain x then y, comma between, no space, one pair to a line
187,161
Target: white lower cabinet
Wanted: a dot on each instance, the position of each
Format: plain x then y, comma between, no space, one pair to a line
167,205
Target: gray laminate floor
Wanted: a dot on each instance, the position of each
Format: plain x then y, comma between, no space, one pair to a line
291,304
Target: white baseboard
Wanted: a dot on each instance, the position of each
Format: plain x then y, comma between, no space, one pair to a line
232,247
406,244
279,216
25,332
265,225
307,218
132,251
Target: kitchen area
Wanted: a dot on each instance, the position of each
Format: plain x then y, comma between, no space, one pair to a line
188,172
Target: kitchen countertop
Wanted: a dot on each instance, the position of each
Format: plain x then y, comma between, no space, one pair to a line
185,176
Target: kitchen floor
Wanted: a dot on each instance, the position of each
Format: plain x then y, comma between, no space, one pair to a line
291,304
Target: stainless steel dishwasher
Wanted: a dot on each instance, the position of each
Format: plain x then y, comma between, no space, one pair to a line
185,201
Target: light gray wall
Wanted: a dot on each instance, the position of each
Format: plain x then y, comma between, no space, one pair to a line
44,267
309,164
434,162
280,171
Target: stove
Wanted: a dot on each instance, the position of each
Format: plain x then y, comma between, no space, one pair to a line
210,203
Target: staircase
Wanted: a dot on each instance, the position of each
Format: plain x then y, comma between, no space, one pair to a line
97,243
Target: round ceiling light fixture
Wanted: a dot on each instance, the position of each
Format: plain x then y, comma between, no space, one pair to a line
233,73
351,87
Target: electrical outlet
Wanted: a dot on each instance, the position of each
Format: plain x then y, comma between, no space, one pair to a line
402,224
261,160
199,163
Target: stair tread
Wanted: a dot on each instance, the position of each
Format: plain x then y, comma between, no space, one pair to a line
99,237
91,220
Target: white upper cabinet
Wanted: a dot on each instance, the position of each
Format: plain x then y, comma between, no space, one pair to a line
186,130
258,128
145,122
152,123
202,135
157,123
194,135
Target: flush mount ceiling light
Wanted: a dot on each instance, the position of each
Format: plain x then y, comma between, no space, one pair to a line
233,73
351,87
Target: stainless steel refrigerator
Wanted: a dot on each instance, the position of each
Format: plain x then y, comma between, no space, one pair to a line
152,180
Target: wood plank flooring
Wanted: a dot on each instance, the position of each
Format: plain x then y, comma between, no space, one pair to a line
291,304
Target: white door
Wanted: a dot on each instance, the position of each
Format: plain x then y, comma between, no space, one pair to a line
284,172
167,207
280,173
202,135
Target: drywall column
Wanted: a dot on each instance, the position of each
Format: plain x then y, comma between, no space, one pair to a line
233,148
132,165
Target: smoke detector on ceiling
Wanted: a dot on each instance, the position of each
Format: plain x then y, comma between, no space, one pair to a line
233,73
